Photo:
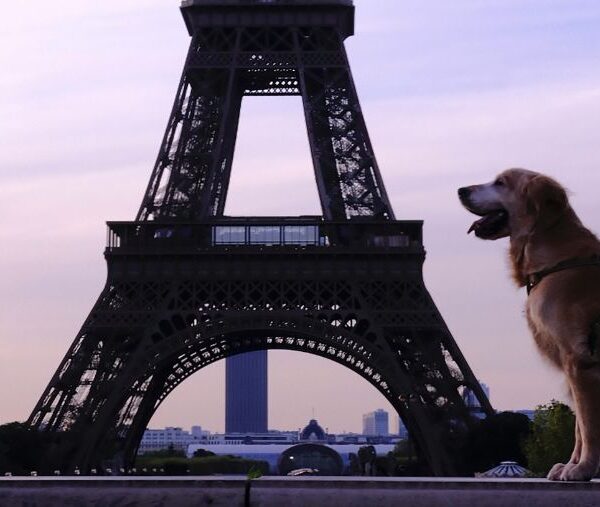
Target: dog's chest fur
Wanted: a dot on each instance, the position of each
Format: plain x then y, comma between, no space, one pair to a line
542,333
565,319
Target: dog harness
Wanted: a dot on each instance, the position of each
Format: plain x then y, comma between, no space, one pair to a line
535,278
594,337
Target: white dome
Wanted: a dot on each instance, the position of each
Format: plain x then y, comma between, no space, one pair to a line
506,469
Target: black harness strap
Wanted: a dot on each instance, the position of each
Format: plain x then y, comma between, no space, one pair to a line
594,337
535,278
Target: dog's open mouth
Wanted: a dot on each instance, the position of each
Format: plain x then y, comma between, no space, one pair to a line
490,225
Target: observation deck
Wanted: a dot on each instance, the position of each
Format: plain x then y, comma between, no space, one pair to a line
269,13
280,234
286,3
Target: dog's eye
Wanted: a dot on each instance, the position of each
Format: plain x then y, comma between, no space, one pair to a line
499,183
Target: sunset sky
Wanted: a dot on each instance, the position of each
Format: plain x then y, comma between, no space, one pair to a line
453,92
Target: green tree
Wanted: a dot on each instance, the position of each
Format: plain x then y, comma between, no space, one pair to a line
404,461
552,438
497,438
203,453
354,467
208,465
404,449
169,452
21,449
367,456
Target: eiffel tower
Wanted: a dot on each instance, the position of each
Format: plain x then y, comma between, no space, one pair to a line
188,286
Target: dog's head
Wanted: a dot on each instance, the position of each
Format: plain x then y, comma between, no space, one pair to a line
515,203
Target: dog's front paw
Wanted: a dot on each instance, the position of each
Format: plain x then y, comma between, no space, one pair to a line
555,472
579,471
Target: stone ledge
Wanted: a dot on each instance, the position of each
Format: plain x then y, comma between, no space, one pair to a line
294,492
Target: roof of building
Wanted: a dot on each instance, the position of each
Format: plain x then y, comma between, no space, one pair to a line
312,431
324,459
506,469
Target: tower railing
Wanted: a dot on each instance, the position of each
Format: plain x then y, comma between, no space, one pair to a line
254,3
274,232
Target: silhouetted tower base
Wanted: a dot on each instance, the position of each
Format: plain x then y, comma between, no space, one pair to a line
187,286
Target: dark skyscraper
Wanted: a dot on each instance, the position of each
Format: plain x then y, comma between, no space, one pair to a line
246,402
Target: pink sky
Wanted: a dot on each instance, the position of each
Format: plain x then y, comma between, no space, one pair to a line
452,94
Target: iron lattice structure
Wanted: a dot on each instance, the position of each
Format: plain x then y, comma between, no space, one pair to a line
188,286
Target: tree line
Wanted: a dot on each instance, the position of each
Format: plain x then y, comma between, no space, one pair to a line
505,436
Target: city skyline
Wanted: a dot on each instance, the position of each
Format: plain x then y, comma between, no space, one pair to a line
84,108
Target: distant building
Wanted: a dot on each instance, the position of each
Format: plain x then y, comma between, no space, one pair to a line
402,429
528,413
319,457
272,442
246,391
313,432
472,402
506,469
198,432
179,439
272,452
272,437
376,423
170,438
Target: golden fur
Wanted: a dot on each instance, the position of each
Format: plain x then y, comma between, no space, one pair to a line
534,211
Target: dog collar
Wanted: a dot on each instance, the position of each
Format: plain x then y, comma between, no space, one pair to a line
535,278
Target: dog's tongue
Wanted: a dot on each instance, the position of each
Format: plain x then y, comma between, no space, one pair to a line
475,225
486,220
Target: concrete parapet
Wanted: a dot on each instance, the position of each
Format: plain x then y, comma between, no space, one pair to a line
293,492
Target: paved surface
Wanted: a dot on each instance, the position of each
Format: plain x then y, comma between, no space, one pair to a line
293,492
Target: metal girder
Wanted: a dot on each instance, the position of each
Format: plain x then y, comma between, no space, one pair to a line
192,172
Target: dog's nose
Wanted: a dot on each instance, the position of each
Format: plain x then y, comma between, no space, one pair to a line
464,192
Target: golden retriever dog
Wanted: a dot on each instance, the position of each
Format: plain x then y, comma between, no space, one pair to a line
558,260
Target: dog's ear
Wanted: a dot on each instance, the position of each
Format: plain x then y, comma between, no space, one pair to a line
546,200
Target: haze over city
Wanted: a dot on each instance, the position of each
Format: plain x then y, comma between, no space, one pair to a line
452,94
